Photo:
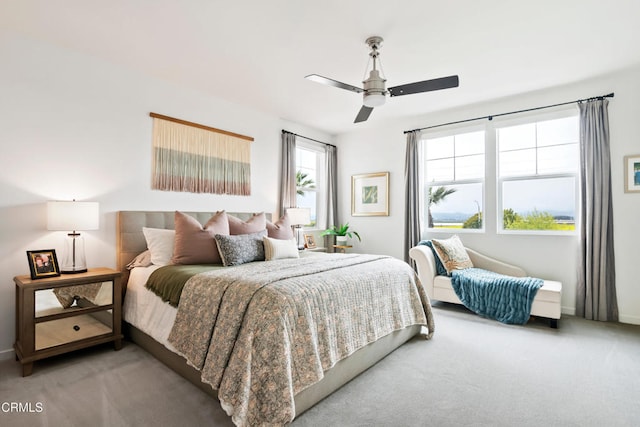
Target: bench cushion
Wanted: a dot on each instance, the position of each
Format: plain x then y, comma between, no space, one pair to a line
545,304
550,291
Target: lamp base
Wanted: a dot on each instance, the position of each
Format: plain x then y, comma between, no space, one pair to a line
298,233
73,261
73,271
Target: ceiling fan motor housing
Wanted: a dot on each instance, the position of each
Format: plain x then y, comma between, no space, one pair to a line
374,90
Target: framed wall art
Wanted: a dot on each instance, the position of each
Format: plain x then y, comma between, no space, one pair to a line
370,194
632,174
43,263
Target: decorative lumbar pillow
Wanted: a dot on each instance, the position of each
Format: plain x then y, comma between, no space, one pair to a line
241,248
160,244
257,222
142,260
279,248
194,243
452,254
281,229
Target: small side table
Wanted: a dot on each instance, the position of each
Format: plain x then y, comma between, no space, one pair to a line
342,248
60,330
316,249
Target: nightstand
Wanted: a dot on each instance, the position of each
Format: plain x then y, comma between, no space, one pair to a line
342,248
44,328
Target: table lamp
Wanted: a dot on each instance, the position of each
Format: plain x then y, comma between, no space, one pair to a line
73,216
299,217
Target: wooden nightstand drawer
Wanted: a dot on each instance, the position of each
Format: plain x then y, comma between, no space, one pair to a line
67,330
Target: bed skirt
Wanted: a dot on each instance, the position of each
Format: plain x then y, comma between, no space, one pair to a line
341,373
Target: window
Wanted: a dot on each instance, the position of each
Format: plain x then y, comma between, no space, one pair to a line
311,179
538,175
533,182
454,180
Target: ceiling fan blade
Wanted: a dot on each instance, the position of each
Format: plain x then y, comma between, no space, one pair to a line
330,82
425,86
364,114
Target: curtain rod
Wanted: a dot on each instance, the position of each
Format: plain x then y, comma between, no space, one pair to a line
310,139
610,95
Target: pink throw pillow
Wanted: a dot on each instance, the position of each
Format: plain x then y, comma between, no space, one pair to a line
281,229
256,223
195,244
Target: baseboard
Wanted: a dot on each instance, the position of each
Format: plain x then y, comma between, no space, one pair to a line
633,320
7,354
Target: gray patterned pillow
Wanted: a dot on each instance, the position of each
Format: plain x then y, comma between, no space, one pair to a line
241,248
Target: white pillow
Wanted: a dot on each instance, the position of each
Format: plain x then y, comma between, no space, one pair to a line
279,248
160,244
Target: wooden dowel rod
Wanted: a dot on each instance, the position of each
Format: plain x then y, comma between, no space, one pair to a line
196,125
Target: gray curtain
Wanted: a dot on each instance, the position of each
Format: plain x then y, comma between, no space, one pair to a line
288,178
332,184
596,294
413,217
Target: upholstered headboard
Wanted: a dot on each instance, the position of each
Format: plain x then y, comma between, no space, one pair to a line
130,241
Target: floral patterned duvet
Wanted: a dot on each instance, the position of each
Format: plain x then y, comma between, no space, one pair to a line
262,332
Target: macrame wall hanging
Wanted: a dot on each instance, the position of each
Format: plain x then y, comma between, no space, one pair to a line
199,159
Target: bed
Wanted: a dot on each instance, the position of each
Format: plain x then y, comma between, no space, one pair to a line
152,323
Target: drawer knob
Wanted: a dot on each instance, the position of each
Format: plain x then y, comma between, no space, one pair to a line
76,327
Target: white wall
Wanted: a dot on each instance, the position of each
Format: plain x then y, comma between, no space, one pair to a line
382,148
73,126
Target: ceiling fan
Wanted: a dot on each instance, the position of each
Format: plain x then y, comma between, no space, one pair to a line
374,91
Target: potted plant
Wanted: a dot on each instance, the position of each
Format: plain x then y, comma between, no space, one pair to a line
342,233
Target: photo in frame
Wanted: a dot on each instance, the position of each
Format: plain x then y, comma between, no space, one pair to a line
632,174
43,263
309,241
370,194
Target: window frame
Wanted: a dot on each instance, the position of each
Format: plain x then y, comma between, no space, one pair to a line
499,180
452,131
320,184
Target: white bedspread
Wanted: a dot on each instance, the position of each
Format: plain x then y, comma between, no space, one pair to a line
145,310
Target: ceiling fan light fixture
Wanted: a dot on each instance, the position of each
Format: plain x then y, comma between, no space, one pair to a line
373,100
374,90
374,87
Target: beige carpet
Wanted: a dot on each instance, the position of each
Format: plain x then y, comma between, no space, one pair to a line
475,372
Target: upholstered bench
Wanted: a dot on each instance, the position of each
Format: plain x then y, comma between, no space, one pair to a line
545,304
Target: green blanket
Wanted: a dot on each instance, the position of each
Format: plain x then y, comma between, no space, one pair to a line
167,282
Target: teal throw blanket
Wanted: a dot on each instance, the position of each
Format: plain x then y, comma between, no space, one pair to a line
504,298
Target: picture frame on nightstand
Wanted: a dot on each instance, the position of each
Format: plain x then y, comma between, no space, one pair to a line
309,241
43,263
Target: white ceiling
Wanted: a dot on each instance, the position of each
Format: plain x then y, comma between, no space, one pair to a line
256,53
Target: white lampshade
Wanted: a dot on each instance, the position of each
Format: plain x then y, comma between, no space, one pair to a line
299,216
72,216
